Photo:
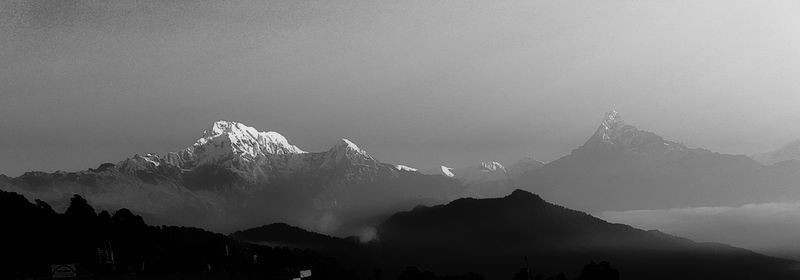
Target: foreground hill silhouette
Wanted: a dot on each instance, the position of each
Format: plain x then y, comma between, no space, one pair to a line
284,235
122,246
494,236
366,256
35,236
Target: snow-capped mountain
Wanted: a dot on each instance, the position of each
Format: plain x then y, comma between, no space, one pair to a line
487,178
486,171
614,136
346,152
235,174
623,167
491,167
227,139
242,152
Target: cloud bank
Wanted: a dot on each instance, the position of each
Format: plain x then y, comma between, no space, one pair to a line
770,228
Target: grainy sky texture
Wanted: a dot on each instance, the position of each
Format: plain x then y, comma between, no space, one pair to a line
414,82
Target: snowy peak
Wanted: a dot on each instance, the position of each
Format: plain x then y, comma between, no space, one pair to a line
614,136
492,166
483,172
613,131
609,127
347,152
612,119
227,140
248,140
349,147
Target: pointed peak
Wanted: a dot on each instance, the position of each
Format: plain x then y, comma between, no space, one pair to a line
346,151
609,128
611,119
348,146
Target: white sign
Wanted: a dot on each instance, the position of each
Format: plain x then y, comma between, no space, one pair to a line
64,271
305,273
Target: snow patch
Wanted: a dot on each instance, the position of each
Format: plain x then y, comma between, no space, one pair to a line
349,145
404,168
447,171
151,158
492,166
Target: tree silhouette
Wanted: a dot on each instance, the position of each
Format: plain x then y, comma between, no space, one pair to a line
36,237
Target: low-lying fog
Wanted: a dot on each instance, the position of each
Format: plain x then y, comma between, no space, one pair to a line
770,228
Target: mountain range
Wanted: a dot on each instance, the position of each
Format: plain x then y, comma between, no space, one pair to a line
487,178
235,176
486,170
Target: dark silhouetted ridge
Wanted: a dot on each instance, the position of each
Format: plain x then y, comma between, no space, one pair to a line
284,234
492,237
35,237
522,194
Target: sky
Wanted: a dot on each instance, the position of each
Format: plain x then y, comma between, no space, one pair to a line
420,83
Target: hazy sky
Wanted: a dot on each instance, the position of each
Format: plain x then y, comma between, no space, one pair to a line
415,82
